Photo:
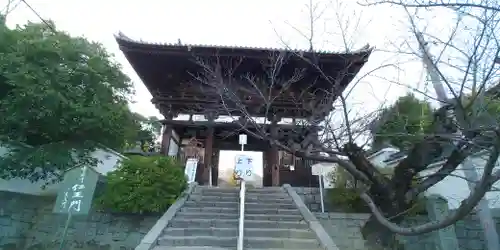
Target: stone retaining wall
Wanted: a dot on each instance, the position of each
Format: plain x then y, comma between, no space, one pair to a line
345,231
311,197
344,228
27,222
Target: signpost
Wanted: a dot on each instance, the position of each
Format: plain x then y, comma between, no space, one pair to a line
75,195
190,169
243,167
322,169
243,141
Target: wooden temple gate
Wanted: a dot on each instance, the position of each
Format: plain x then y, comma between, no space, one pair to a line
172,74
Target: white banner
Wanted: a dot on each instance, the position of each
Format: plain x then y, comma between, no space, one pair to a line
190,169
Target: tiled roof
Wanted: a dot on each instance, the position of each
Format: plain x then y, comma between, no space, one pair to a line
367,49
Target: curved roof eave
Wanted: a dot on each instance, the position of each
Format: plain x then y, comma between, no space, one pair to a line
125,41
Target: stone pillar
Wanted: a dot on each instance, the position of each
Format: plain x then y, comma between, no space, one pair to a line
446,238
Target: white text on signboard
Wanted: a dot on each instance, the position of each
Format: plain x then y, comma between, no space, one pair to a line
244,167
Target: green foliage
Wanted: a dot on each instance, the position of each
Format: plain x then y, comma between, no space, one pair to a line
145,130
486,112
404,123
60,97
409,119
341,178
348,200
143,185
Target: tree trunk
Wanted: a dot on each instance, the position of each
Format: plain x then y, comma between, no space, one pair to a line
387,194
378,236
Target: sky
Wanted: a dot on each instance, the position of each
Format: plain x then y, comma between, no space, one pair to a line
256,23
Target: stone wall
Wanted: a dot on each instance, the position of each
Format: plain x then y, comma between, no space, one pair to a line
470,235
345,227
345,231
27,222
311,197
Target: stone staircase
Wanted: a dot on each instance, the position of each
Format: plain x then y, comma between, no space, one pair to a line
209,221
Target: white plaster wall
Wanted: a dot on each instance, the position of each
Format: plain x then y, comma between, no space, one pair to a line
455,187
173,148
109,160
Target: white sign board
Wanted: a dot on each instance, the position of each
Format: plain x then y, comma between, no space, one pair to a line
243,139
190,169
322,168
244,167
227,163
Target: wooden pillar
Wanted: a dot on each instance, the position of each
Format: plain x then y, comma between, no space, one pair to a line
166,133
165,139
209,142
274,153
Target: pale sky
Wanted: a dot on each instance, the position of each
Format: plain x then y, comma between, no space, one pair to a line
257,23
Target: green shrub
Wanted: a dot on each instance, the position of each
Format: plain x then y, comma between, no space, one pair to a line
143,185
348,200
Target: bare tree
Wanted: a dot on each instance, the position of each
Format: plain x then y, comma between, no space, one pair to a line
457,130
470,51
8,8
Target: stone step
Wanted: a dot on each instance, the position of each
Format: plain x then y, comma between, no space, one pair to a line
218,191
194,248
235,204
255,242
207,198
237,189
228,204
283,243
270,217
262,198
233,223
195,240
234,210
249,232
268,196
216,248
248,193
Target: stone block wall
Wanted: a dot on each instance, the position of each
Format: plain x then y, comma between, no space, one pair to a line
470,235
311,197
344,228
345,231
27,222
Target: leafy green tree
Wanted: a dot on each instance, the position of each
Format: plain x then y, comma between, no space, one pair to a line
406,121
60,97
403,123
